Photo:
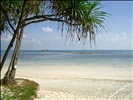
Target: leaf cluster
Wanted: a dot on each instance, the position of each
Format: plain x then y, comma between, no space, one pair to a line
83,17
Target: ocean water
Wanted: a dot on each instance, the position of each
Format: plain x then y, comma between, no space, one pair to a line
109,58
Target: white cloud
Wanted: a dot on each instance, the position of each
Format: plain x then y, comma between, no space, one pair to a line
6,38
120,37
47,29
28,40
115,41
35,41
121,41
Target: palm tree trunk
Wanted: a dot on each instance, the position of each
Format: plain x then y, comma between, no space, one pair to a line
14,36
10,74
7,51
15,60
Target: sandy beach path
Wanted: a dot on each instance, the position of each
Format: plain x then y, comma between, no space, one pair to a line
84,89
80,83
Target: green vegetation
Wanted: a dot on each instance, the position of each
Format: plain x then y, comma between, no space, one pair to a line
23,90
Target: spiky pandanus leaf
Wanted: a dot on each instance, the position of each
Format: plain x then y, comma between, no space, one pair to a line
84,17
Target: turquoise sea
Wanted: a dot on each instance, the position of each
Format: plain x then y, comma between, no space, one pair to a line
109,58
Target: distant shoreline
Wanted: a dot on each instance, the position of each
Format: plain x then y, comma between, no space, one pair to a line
71,50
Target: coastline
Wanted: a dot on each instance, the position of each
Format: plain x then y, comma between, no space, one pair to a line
80,82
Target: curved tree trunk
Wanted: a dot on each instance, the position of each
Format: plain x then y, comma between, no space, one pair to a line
15,60
14,36
8,79
10,74
7,51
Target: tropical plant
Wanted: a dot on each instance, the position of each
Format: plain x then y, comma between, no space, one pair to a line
80,17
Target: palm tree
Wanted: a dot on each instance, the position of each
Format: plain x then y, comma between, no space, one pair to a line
82,18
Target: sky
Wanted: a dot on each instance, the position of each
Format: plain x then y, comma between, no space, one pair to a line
118,35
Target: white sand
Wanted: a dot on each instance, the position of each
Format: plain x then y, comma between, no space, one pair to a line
80,82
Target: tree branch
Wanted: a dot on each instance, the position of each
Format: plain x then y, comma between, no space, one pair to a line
33,18
8,29
6,17
32,9
40,16
37,21
60,20
13,38
56,19
43,18
22,12
54,15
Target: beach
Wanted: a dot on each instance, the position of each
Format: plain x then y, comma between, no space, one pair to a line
80,82
78,75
